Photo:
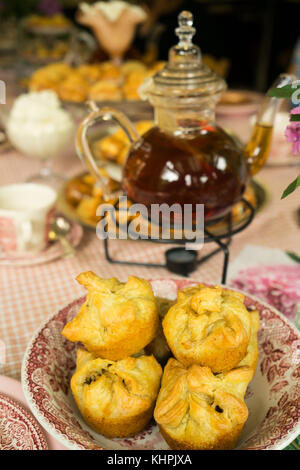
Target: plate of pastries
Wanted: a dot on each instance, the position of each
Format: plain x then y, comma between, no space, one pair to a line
100,82
164,364
80,197
56,24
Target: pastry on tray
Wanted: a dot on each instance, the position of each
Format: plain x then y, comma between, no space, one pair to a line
57,20
87,208
197,409
116,398
49,77
83,195
133,81
110,71
111,146
117,319
91,73
132,66
115,147
209,326
105,90
103,81
74,88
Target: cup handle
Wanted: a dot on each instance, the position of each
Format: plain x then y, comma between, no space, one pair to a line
82,146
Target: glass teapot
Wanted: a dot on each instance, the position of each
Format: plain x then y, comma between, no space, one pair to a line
185,158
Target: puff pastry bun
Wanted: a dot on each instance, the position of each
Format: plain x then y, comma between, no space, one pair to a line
209,326
159,346
117,320
196,409
116,398
251,357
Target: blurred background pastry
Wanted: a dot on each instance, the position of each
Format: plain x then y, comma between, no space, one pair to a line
100,81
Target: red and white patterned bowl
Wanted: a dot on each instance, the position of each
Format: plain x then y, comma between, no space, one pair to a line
273,397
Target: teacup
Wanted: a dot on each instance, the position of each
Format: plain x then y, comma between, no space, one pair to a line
25,215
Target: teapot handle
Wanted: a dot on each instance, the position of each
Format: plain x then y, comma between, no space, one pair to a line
82,145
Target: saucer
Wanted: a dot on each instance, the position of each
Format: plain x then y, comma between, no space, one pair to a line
239,102
12,389
18,429
52,251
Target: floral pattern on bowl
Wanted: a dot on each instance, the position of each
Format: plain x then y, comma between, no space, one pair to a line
18,428
273,397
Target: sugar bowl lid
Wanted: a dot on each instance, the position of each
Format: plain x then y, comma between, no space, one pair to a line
185,74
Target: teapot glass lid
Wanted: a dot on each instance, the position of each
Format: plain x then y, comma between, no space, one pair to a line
185,71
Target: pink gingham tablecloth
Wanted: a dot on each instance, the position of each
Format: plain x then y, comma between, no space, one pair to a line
28,295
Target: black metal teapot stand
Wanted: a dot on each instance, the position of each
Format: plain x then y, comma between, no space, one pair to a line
182,261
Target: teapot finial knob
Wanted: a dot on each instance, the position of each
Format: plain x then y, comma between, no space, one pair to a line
185,18
185,31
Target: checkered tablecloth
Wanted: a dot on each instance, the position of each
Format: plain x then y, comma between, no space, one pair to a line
29,294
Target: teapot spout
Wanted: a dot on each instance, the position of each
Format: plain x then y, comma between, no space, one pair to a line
258,147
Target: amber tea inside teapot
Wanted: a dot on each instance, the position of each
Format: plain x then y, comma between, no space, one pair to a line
186,158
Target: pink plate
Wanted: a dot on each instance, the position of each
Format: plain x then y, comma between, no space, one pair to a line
249,104
18,428
273,397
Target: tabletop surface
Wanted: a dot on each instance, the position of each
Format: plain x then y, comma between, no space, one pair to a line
29,294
